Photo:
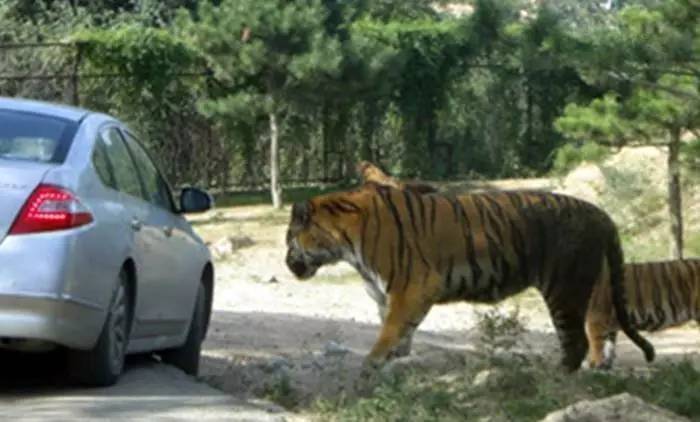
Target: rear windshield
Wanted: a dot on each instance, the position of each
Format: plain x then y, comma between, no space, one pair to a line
34,137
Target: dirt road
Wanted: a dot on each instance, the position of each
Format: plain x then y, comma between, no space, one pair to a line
32,388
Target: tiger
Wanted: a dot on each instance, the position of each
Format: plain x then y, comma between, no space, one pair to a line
660,294
415,250
601,325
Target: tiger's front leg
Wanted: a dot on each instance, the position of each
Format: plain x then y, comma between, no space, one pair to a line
405,312
404,347
380,298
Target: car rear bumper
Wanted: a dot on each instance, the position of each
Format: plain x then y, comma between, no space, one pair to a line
43,294
56,320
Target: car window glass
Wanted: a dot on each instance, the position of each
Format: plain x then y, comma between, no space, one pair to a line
125,174
34,137
156,188
102,164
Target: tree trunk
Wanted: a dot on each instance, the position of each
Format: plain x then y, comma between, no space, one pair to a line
325,128
431,140
275,188
369,119
674,195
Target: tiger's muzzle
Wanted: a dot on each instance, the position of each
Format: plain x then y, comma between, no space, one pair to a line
300,266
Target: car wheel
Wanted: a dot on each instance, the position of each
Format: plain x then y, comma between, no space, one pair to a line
186,357
102,366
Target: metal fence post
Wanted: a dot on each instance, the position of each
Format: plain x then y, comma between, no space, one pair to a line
75,79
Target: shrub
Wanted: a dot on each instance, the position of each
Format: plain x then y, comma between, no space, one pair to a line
568,156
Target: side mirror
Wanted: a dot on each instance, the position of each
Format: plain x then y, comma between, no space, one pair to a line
193,200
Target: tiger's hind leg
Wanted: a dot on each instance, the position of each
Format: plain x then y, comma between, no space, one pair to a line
568,314
601,341
568,291
595,331
609,350
572,337
600,330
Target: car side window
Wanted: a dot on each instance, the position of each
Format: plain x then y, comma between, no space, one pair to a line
156,187
101,163
125,175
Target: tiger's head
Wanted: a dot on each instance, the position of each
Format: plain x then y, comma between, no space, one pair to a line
319,233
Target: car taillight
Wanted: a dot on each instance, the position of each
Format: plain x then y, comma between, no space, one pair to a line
50,208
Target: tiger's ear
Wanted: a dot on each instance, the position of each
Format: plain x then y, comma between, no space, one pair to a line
419,188
369,172
301,213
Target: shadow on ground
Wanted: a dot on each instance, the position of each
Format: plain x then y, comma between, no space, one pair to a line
35,387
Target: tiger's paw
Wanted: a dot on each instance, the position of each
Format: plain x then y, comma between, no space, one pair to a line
367,378
602,365
370,367
400,352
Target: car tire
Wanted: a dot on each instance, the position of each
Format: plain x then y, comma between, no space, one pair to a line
186,357
103,364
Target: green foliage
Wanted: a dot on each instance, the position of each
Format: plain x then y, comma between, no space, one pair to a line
653,92
643,59
536,389
412,397
601,121
274,50
151,57
279,390
499,332
425,93
671,386
569,156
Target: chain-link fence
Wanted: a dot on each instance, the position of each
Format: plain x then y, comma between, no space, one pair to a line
190,148
185,143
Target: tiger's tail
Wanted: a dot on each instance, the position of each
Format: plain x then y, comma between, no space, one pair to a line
615,263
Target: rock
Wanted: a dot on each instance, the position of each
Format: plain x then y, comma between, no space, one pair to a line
332,348
439,360
449,378
486,377
622,407
278,364
273,280
226,246
240,242
221,248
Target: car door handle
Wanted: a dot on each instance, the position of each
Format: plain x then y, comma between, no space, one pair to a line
136,224
168,231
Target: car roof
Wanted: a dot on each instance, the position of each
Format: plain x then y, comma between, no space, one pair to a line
40,107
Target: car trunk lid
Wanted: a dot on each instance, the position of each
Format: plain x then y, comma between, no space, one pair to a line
18,179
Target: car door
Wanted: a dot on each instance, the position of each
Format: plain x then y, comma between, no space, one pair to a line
176,273
146,241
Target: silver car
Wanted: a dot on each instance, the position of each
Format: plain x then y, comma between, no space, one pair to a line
95,255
